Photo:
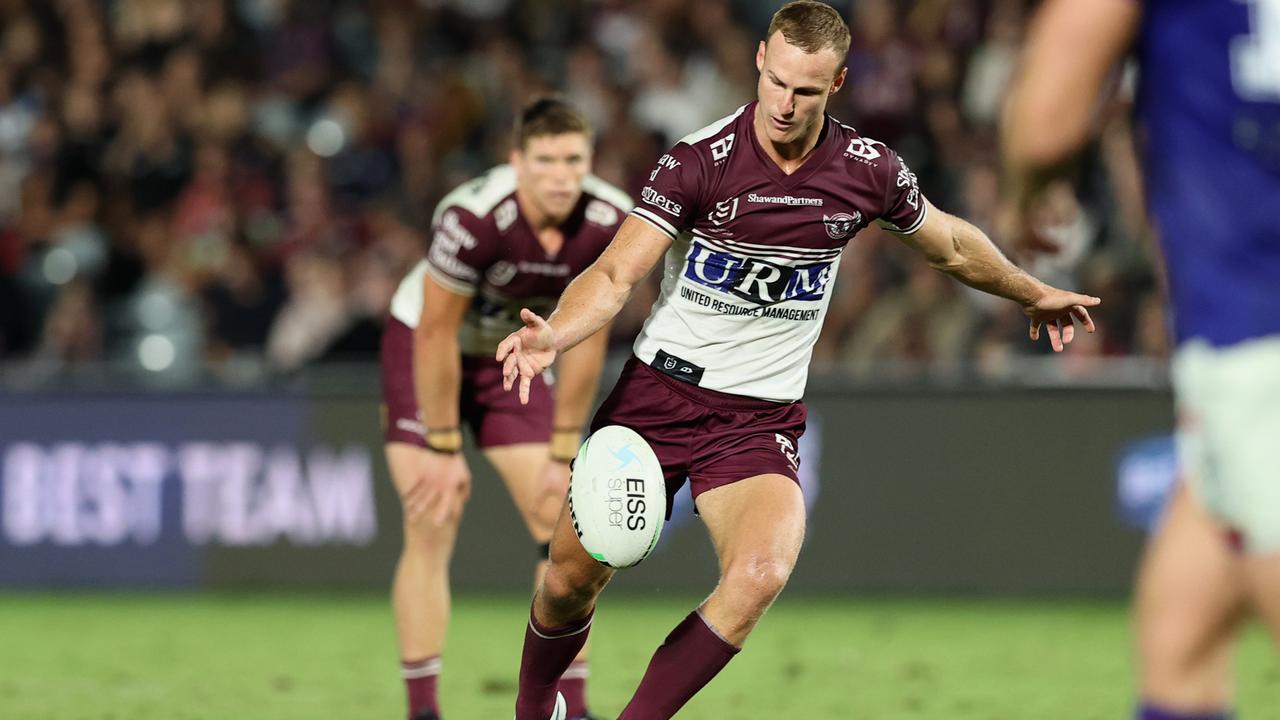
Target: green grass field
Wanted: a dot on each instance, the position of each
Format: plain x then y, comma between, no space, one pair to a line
290,657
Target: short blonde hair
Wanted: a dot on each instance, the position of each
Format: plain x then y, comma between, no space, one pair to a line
812,26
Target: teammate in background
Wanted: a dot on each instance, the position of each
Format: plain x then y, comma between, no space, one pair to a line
1209,121
513,237
752,213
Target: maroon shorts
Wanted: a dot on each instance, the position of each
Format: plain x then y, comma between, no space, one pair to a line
494,415
711,438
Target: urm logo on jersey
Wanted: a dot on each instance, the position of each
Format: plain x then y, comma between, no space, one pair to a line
759,281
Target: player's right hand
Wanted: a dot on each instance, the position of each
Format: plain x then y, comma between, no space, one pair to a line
525,353
442,488
1058,311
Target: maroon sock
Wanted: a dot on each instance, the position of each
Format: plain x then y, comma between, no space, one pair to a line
692,654
420,680
548,652
573,685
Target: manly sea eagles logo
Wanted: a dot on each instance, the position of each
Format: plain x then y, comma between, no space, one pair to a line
501,273
841,224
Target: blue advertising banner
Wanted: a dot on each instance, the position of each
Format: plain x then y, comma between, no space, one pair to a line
908,490
132,491
1146,473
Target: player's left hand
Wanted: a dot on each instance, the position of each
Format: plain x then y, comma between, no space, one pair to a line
1059,310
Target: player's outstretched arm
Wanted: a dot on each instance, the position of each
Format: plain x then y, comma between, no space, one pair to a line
964,252
587,305
1072,54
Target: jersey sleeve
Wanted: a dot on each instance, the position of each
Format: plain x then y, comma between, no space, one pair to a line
904,207
462,249
670,200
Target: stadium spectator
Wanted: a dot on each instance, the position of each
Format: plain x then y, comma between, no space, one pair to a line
248,125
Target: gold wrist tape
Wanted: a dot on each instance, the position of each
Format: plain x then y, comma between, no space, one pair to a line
564,444
446,440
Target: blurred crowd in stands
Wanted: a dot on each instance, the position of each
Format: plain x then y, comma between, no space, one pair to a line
195,188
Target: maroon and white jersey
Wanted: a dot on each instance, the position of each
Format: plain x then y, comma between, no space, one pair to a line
482,247
748,278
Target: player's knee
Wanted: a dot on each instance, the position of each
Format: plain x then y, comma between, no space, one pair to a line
542,525
565,586
1173,655
421,533
1169,654
758,578
1192,680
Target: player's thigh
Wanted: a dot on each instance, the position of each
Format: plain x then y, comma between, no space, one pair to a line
403,460
521,467
1189,599
744,477
1230,398
757,524
1263,572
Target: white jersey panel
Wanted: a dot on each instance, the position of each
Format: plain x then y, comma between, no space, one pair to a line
406,304
480,195
475,250
407,301
748,316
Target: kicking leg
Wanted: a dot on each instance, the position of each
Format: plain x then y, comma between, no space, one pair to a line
757,527
522,468
559,620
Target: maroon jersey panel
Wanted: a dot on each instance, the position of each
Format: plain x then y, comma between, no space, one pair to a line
720,183
754,251
483,247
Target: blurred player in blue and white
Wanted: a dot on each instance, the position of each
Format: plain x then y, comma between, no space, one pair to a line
1208,119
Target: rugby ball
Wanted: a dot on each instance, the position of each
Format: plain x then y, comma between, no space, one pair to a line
617,497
